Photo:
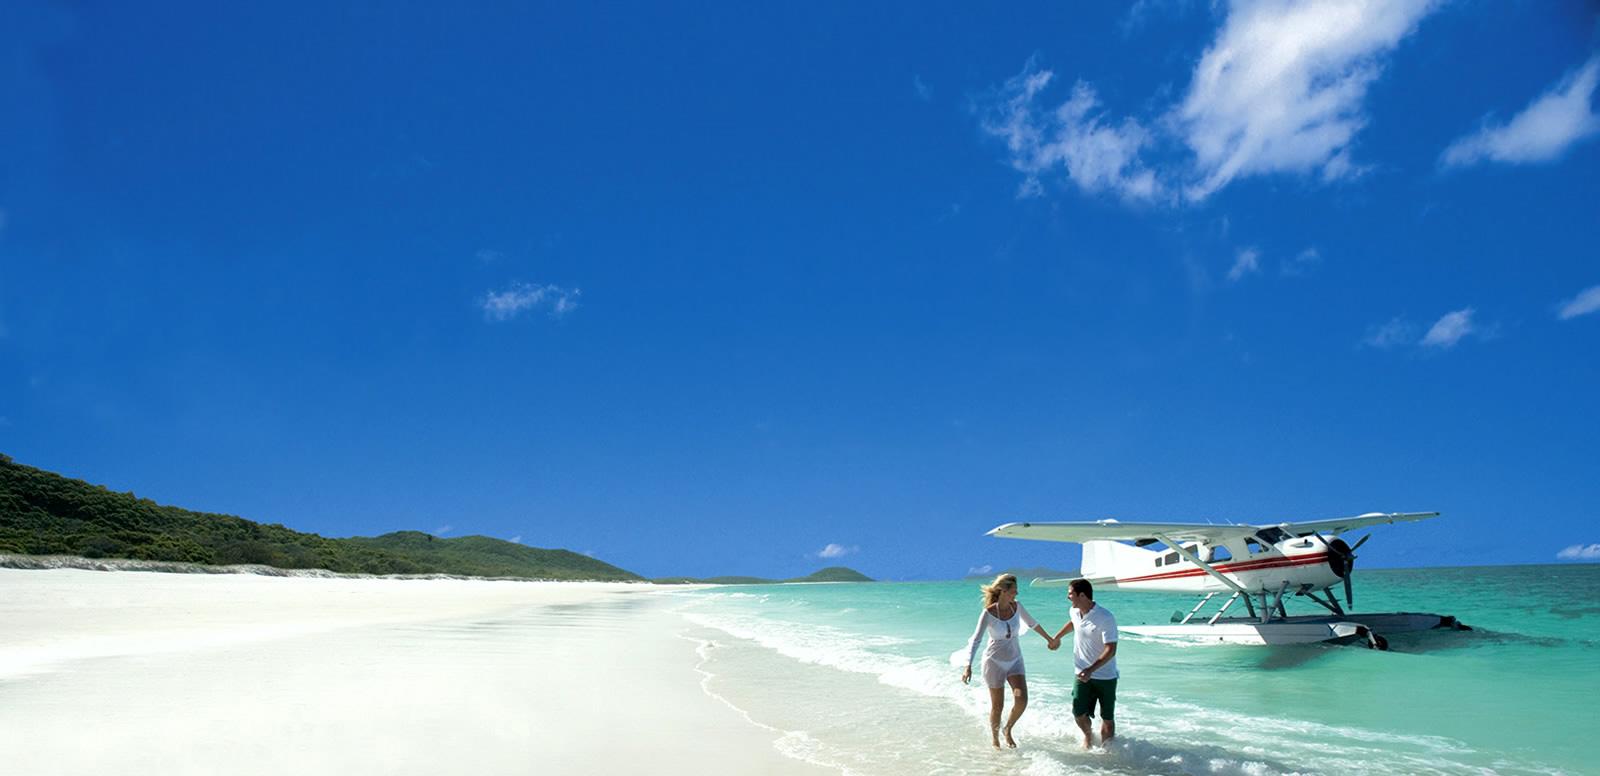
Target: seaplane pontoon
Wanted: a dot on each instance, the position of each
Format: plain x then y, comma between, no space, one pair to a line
1261,565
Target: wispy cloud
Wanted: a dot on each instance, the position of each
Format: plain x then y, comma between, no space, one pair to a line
923,90
1580,552
516,539
837,551
1551,124
1587,301
1449,329
1096,153
1140,12
1303,263
443,529
1247,262
1392,334
523,297
488,255
1281,89
984,569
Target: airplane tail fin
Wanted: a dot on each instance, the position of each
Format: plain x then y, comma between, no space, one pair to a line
1103,559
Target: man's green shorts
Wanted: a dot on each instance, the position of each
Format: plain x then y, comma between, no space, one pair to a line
1085,694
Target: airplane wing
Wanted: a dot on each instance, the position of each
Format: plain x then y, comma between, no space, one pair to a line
1115,531
1344,524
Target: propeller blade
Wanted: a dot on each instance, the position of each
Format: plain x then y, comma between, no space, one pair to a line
1349,598
1358,544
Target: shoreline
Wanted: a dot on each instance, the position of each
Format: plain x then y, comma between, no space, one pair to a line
178,673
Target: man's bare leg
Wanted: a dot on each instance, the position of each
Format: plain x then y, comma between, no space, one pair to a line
997,700
1083,724
1108,731
1019,702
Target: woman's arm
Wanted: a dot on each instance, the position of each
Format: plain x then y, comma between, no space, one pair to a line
1027,619
972,645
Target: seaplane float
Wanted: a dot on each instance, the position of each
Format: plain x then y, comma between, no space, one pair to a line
1262,565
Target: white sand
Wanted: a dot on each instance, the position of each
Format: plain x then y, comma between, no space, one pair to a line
147,673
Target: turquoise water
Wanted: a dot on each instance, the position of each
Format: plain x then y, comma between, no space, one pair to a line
860,677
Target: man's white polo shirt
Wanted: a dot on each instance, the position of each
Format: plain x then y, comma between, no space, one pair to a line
1090,634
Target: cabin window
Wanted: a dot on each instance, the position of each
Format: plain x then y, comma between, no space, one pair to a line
1158,562
1253,546
1172,557
1219,554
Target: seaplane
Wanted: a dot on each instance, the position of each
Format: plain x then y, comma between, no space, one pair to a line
1263,565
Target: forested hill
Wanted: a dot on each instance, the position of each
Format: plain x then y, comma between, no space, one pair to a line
43,513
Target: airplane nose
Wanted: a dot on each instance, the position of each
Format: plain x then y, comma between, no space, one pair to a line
1340,557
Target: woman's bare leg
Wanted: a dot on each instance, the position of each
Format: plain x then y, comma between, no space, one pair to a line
997,699
1019,703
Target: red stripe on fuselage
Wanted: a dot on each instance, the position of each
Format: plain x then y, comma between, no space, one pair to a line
1247,565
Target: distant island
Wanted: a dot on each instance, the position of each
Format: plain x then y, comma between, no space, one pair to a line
44,513
829,574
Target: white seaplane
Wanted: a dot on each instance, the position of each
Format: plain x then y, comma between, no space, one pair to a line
1260,564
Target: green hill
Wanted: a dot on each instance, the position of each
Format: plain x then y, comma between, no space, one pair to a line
834,574
829,574
43,513
482,556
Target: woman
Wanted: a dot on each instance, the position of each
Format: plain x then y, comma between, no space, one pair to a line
1004,618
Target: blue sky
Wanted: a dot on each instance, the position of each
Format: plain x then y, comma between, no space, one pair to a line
755,288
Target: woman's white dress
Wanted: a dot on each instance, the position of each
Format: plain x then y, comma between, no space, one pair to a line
1003,656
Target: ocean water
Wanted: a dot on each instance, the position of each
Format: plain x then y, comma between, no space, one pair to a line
860,677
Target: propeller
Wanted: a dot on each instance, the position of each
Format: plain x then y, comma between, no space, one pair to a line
1342,559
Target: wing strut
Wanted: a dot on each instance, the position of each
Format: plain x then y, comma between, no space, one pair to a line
1190,556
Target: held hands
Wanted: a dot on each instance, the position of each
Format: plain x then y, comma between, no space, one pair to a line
1055,643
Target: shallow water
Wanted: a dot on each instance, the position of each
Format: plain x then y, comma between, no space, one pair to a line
860,677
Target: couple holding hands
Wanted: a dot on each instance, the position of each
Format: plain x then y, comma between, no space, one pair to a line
1094,655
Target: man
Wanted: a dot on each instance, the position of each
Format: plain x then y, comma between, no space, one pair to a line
1094,654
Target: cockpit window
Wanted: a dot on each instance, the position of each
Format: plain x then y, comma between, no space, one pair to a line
1272,535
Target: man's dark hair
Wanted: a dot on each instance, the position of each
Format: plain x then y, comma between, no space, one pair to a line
1082,587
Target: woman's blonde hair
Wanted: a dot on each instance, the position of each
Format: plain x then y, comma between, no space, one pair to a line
991,591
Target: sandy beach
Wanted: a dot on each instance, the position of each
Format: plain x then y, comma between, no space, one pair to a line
149,673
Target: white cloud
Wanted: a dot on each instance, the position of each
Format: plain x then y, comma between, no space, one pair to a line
1281,88
489,255
924,91
1395,333
1449,329
521,297
1545,129
975,570
837,551
1248,261
443,529
1587,301
1303,263
1076,138
1580,552
516,539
